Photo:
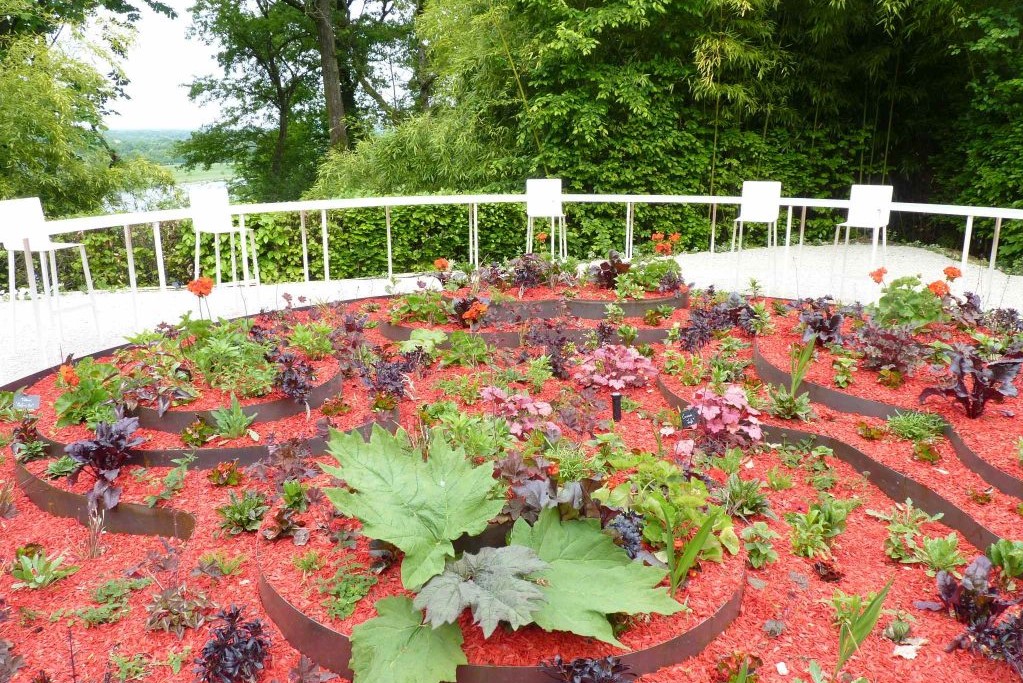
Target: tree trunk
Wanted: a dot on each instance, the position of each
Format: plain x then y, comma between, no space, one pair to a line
323,18
277,164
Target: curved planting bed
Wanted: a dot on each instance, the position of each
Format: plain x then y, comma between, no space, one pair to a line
520,477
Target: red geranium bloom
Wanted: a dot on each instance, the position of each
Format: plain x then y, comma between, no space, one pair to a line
441,264
663,248
674,237
878,275
952,273
68,375
552,469
541,237
938,288
201,287
657,237
476,312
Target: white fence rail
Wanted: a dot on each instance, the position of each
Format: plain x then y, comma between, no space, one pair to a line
628,203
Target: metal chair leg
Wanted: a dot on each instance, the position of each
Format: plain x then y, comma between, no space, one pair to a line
11,289
196,271
216,254
87,272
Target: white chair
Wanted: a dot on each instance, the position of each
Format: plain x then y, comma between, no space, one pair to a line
761,201
211,215
23,228
543,200
870,208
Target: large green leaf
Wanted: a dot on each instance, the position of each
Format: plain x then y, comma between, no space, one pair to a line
419,505
589,577
491,582
396,647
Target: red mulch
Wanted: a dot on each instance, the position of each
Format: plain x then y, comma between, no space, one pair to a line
808,632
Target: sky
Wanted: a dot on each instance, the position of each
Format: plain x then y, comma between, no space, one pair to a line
160,65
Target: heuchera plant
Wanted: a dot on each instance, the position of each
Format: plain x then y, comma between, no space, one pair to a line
991,380
728,419
523,412
616,367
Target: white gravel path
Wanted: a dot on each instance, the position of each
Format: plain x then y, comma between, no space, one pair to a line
809,271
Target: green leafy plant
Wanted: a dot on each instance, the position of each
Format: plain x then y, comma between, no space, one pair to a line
614,314
218,565
628,334
466,349
198,434
133,668
349,584
757,540
422,307
679,565
64,466
906,301
309,562
811,531
428,341
232,423
915,426
787,403
173,483
465,387
89,397
295,495
778,480
420,504
225,474
744,498
844,366
1007,555
313,339
941,554
538,372
494,583
37,570
112,601
689,368
578,554
859,625
243,514
904,522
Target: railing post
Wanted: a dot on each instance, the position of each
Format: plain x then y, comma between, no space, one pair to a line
326,251
713,225
245,248
158,248
788,229
802,226
994,244
628,230
132,282
966,242
305,247
390,259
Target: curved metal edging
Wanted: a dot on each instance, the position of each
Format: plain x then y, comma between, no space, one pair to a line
511,340
132,518
176,420
332,650
208,458
847,403
891,482
126,518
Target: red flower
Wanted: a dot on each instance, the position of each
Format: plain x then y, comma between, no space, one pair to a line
938,288
674,237
663,248
552,469
952,273
68,375
476,312
541,237
201,287
878,275
657,237
441,264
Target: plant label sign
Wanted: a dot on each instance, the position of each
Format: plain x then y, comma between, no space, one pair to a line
689,417
26,402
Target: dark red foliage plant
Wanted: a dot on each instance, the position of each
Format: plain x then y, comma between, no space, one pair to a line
104,457
973,382
237,651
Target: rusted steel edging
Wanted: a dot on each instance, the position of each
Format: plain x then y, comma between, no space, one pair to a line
889,481
333,650
846,403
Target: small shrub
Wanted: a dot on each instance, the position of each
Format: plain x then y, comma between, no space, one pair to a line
757,540
232,423
243,514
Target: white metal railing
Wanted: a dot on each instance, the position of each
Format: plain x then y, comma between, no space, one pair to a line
472,202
